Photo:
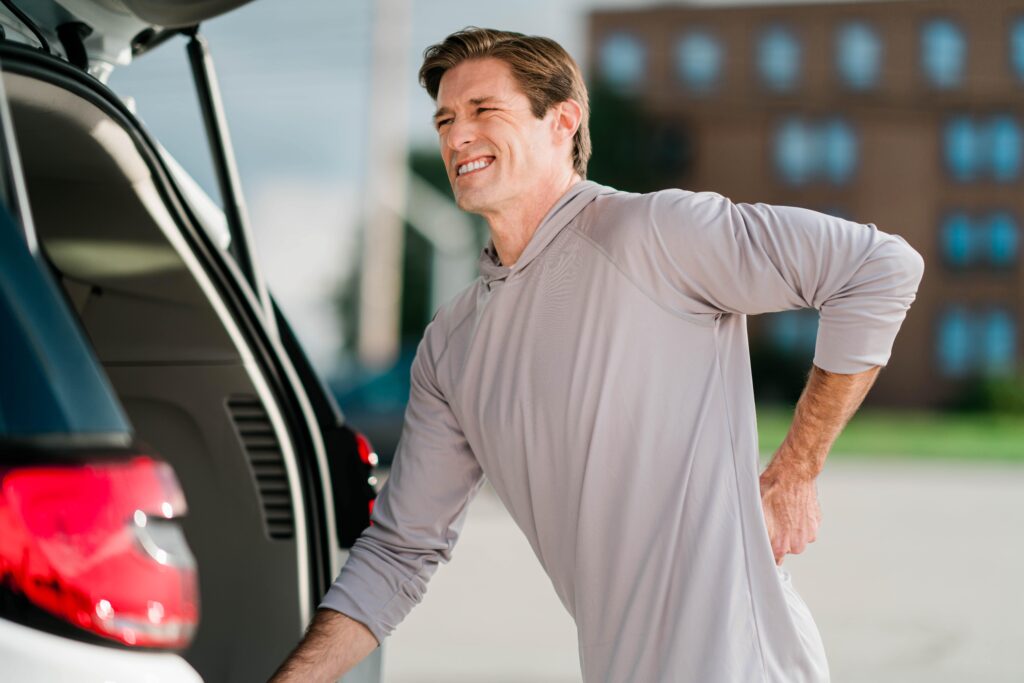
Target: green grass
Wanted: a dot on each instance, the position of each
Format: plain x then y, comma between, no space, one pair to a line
917,434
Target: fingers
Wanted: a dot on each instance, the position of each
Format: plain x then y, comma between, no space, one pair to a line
792,518
792,543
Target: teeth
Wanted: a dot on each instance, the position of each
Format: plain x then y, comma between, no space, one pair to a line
473,166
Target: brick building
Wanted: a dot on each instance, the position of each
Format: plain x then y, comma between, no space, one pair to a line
907,115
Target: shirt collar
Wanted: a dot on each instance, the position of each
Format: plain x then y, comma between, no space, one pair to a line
558,216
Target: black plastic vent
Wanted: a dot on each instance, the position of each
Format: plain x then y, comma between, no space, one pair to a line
267,463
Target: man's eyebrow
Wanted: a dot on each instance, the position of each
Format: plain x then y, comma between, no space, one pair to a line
474,101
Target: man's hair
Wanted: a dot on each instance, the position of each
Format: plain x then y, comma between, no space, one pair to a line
543,69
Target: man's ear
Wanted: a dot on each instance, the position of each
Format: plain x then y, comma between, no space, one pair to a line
568,115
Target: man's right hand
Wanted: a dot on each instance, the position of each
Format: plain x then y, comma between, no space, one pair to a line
333,644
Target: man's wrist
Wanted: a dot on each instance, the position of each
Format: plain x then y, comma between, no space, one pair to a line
791,467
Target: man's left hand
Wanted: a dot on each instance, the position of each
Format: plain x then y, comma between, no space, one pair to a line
791,510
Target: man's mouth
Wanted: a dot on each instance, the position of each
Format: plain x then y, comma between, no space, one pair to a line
474,165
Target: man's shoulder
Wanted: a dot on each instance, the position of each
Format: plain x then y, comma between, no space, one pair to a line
612,197
620,219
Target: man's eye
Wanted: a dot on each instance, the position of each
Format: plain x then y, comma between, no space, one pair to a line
443,122
483,109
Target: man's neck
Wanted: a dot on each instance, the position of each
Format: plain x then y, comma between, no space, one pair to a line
512,228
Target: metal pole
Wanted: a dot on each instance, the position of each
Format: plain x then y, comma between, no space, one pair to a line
226,169
380,292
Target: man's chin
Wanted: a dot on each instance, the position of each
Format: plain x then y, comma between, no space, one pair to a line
470,201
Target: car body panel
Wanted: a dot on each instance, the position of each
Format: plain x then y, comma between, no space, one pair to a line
24,649
108,33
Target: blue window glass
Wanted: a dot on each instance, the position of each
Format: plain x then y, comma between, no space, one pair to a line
943,53
699,60
50,380
956,239
838,147
998,343
859,55
778,58
807,151
1017,46
954,343
623,59
1001,239
795,331
962,148
1003,138
796,151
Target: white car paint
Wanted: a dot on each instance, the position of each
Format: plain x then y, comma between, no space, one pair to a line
29,655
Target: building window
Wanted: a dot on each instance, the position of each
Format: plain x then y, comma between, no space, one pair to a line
796,151
699,60
1001,239
962,148
985,241
954,343
1017,46
794,331
977,342
978,149
838,150
623,60
807,151
957,239
998,343
1004,147
943,53
778,58
859,55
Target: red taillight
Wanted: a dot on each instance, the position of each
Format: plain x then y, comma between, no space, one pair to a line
366,452
93,544
369,457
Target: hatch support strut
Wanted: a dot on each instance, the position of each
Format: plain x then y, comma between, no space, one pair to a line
226,169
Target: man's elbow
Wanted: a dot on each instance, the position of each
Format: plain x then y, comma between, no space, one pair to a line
915,265
909,264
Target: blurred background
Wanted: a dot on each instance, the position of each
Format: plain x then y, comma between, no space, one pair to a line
907,115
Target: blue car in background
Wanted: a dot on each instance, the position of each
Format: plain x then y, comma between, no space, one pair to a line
376,401
177,486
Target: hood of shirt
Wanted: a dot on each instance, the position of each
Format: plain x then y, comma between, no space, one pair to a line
558,216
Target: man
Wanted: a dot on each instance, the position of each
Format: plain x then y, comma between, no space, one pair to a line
597,372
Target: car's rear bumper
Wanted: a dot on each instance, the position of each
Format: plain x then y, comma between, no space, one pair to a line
29,655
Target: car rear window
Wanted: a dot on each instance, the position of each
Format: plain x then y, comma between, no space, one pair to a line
50,380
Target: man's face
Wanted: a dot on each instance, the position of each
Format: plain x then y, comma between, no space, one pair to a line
495,150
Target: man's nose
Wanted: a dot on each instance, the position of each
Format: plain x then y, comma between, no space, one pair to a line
461,133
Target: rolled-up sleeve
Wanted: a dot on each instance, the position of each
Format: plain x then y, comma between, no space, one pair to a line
758,258
418,514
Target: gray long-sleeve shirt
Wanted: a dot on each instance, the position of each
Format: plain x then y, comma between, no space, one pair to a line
602,385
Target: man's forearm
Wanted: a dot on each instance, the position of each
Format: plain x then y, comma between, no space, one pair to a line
827,403
788,491
333,644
